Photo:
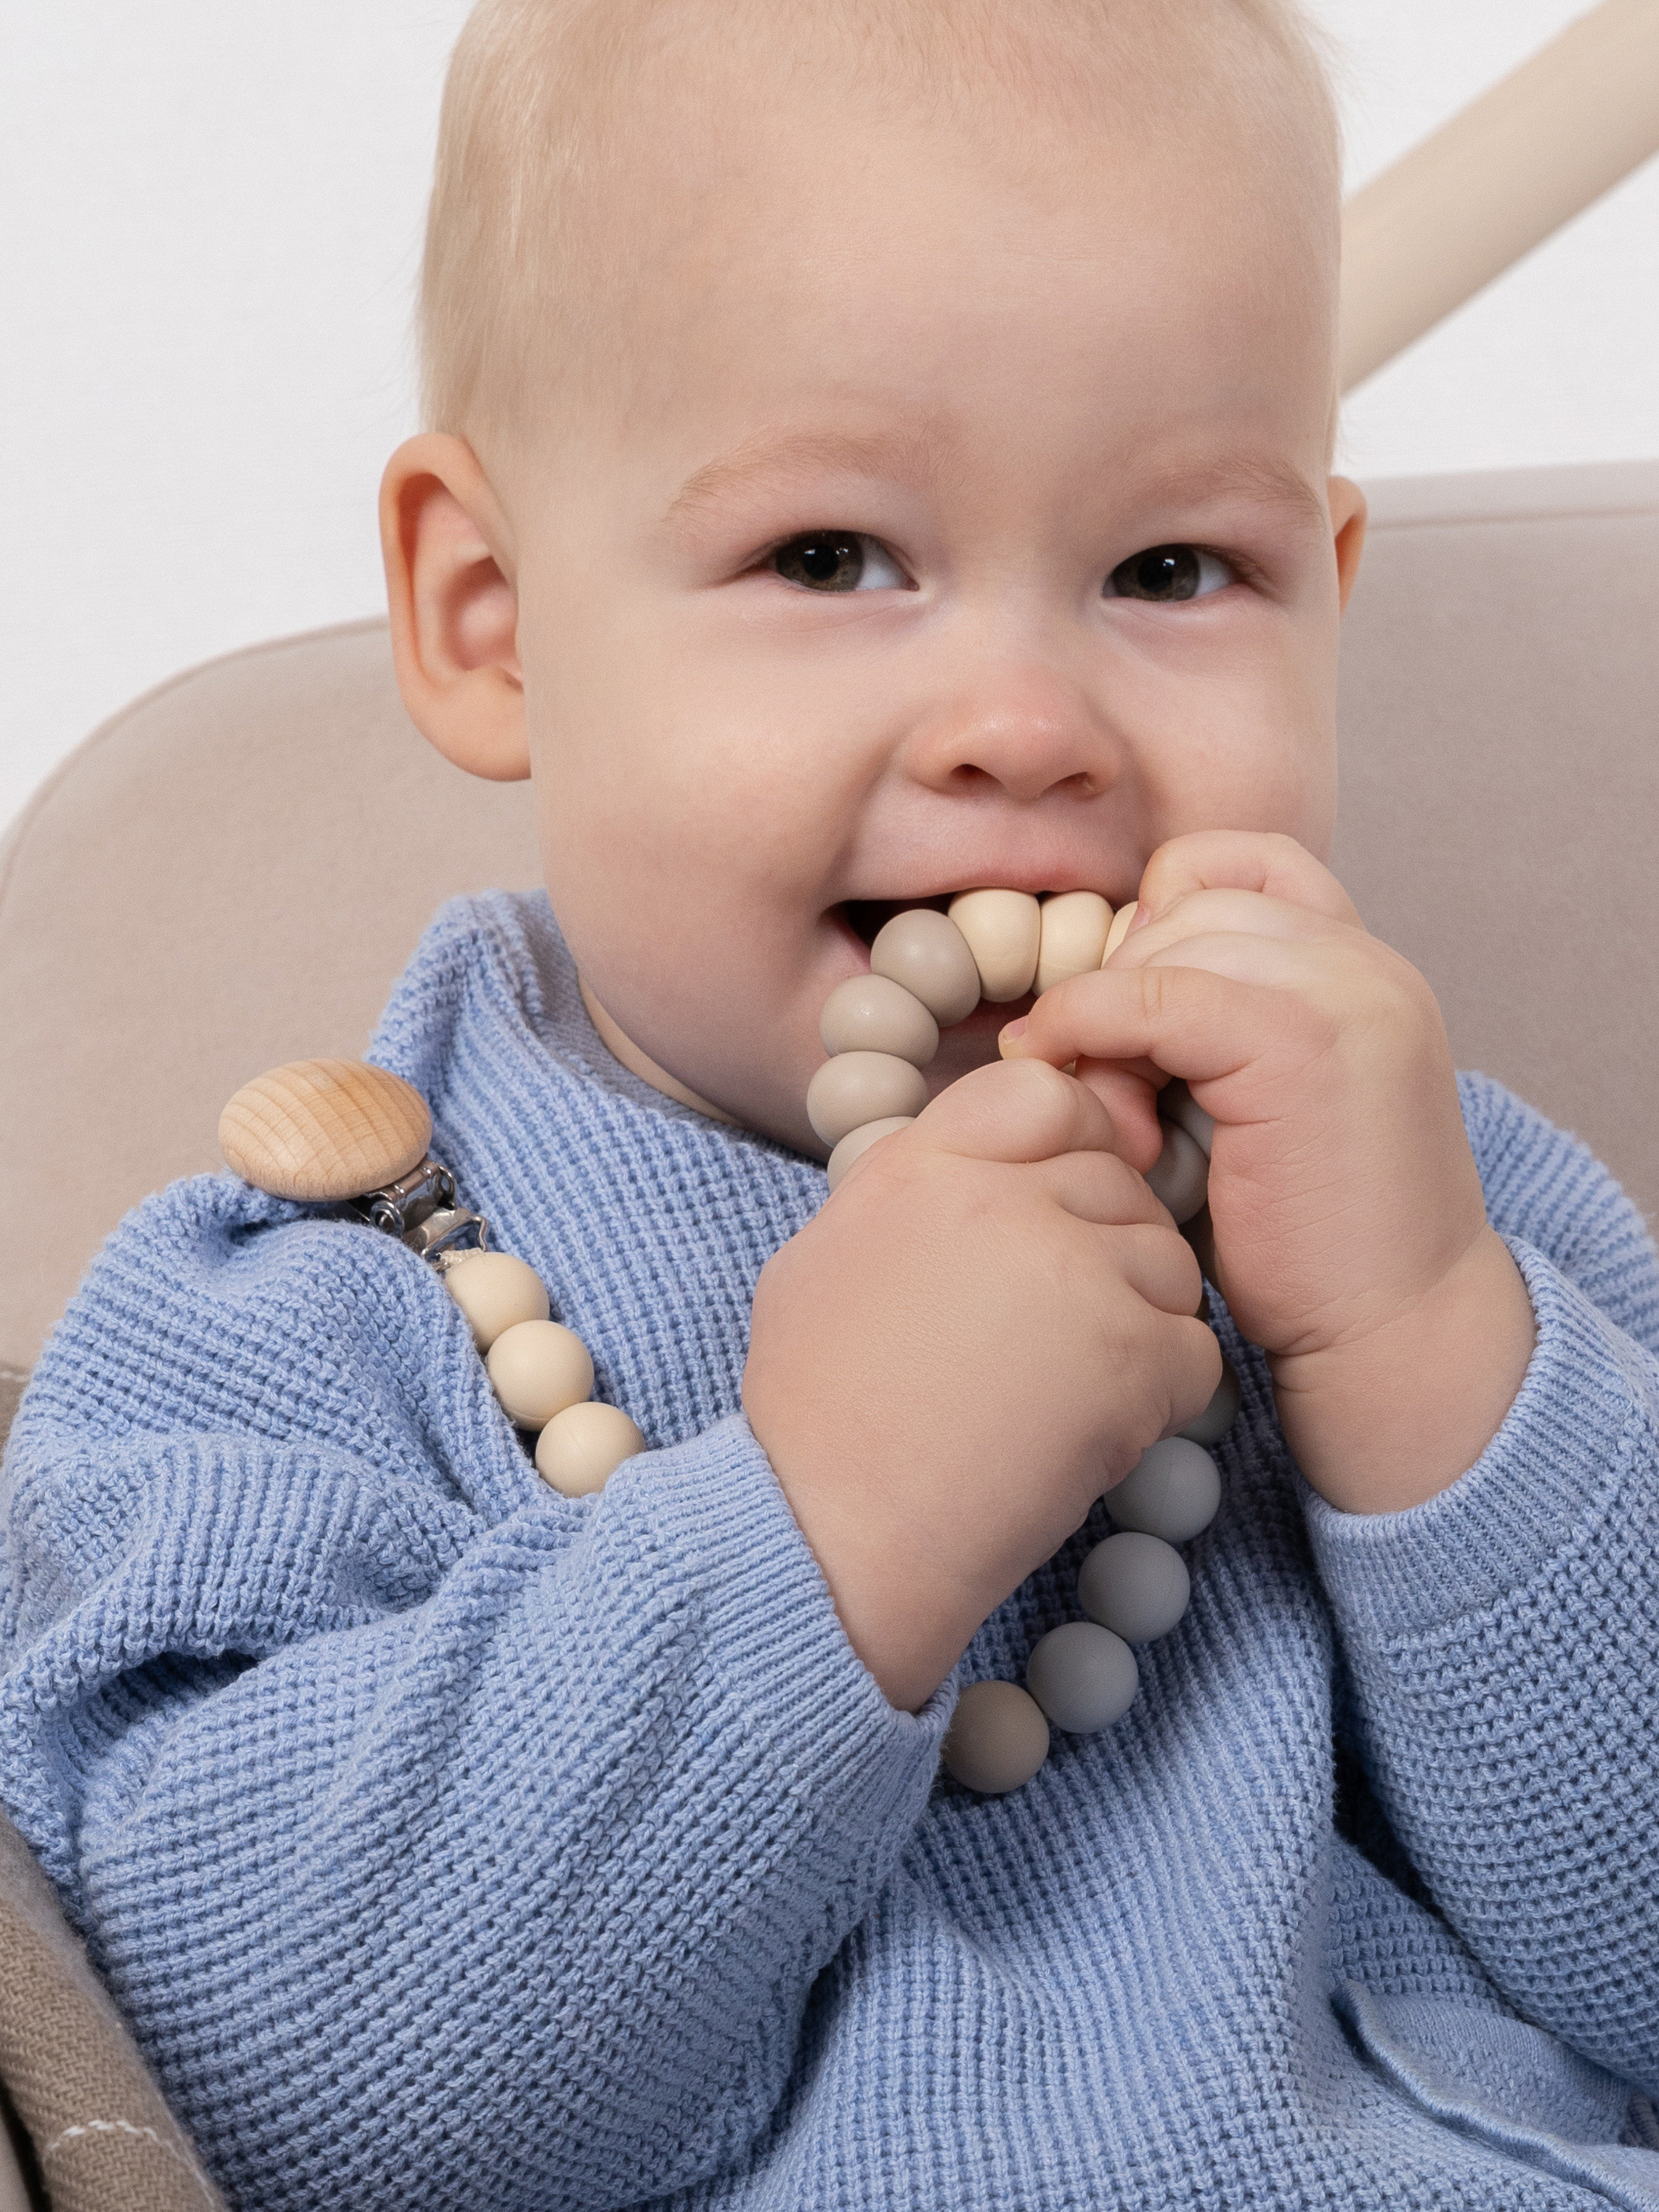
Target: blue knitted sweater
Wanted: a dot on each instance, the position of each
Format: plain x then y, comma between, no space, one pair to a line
452,1844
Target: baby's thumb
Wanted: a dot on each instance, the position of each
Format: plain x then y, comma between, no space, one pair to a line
1017,1109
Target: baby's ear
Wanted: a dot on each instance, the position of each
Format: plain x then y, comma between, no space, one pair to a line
449,574
1348,522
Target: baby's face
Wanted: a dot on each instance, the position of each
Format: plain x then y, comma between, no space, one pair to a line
961,519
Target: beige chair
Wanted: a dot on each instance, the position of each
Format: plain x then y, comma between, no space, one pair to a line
231,872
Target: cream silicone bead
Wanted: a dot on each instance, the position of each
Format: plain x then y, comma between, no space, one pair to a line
871,1014
998,1738
924,951
857,1142
856,1087
1004,930
1119,930
1073,926
495,1293
537,1368
582,1448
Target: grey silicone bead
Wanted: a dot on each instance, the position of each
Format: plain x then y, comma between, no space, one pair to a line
871,1014
997,1739
1218,1416
1176,1103
1083,1676
1136,1585
856,1087
924,951
1173,1491
1180,1176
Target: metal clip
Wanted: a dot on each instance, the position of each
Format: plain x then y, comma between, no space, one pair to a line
419,1209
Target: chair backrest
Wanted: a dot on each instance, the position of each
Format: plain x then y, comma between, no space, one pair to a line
231,872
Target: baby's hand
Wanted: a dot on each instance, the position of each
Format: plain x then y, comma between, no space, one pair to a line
982,1330
1350,1235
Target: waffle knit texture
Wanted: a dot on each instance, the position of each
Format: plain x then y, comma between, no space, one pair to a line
450,1844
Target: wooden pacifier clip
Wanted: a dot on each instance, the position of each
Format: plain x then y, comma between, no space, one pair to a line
340,1132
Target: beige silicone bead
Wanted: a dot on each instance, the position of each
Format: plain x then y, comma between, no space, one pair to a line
857,1142
871,1014
581,1448
1119,930
998,1738
1180,1176
1004,930
495,1293
537,1368
1074,925
924,951
856,1087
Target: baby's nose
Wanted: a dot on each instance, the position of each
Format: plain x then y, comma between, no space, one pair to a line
1027,734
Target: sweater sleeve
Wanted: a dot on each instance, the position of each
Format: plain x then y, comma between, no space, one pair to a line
445,1840
1503,1639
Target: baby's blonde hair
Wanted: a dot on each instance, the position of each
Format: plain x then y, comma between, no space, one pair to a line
536,113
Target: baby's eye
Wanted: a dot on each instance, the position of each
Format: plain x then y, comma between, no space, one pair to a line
838,561
1168,572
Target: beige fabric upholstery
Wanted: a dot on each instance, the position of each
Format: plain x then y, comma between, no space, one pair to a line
103,2140
1499,816
227,876
230,873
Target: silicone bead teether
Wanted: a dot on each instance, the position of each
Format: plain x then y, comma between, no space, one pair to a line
1072,938
323,1130
1004,930
1180,1176
871,1014
1134,1584
495,1293
929,971
1083,1676
537,1368
1173,1491
857,1142
856,1087
582,1447
927,953
998,1738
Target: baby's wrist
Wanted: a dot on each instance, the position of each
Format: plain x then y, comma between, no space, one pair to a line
1386,1421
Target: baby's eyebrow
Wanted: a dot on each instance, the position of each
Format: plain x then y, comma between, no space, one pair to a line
1272,482
774,455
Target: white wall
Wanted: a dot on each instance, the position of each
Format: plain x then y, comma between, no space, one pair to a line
212,226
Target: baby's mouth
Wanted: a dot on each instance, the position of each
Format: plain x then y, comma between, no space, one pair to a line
867,918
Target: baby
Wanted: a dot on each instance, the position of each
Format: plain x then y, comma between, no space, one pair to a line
878,450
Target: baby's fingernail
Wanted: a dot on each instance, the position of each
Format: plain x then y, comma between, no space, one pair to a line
1143,914
1005,1037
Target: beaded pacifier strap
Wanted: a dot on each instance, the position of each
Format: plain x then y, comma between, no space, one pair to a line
342,1133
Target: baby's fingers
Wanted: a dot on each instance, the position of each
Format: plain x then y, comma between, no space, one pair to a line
1240,861
1016,1110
